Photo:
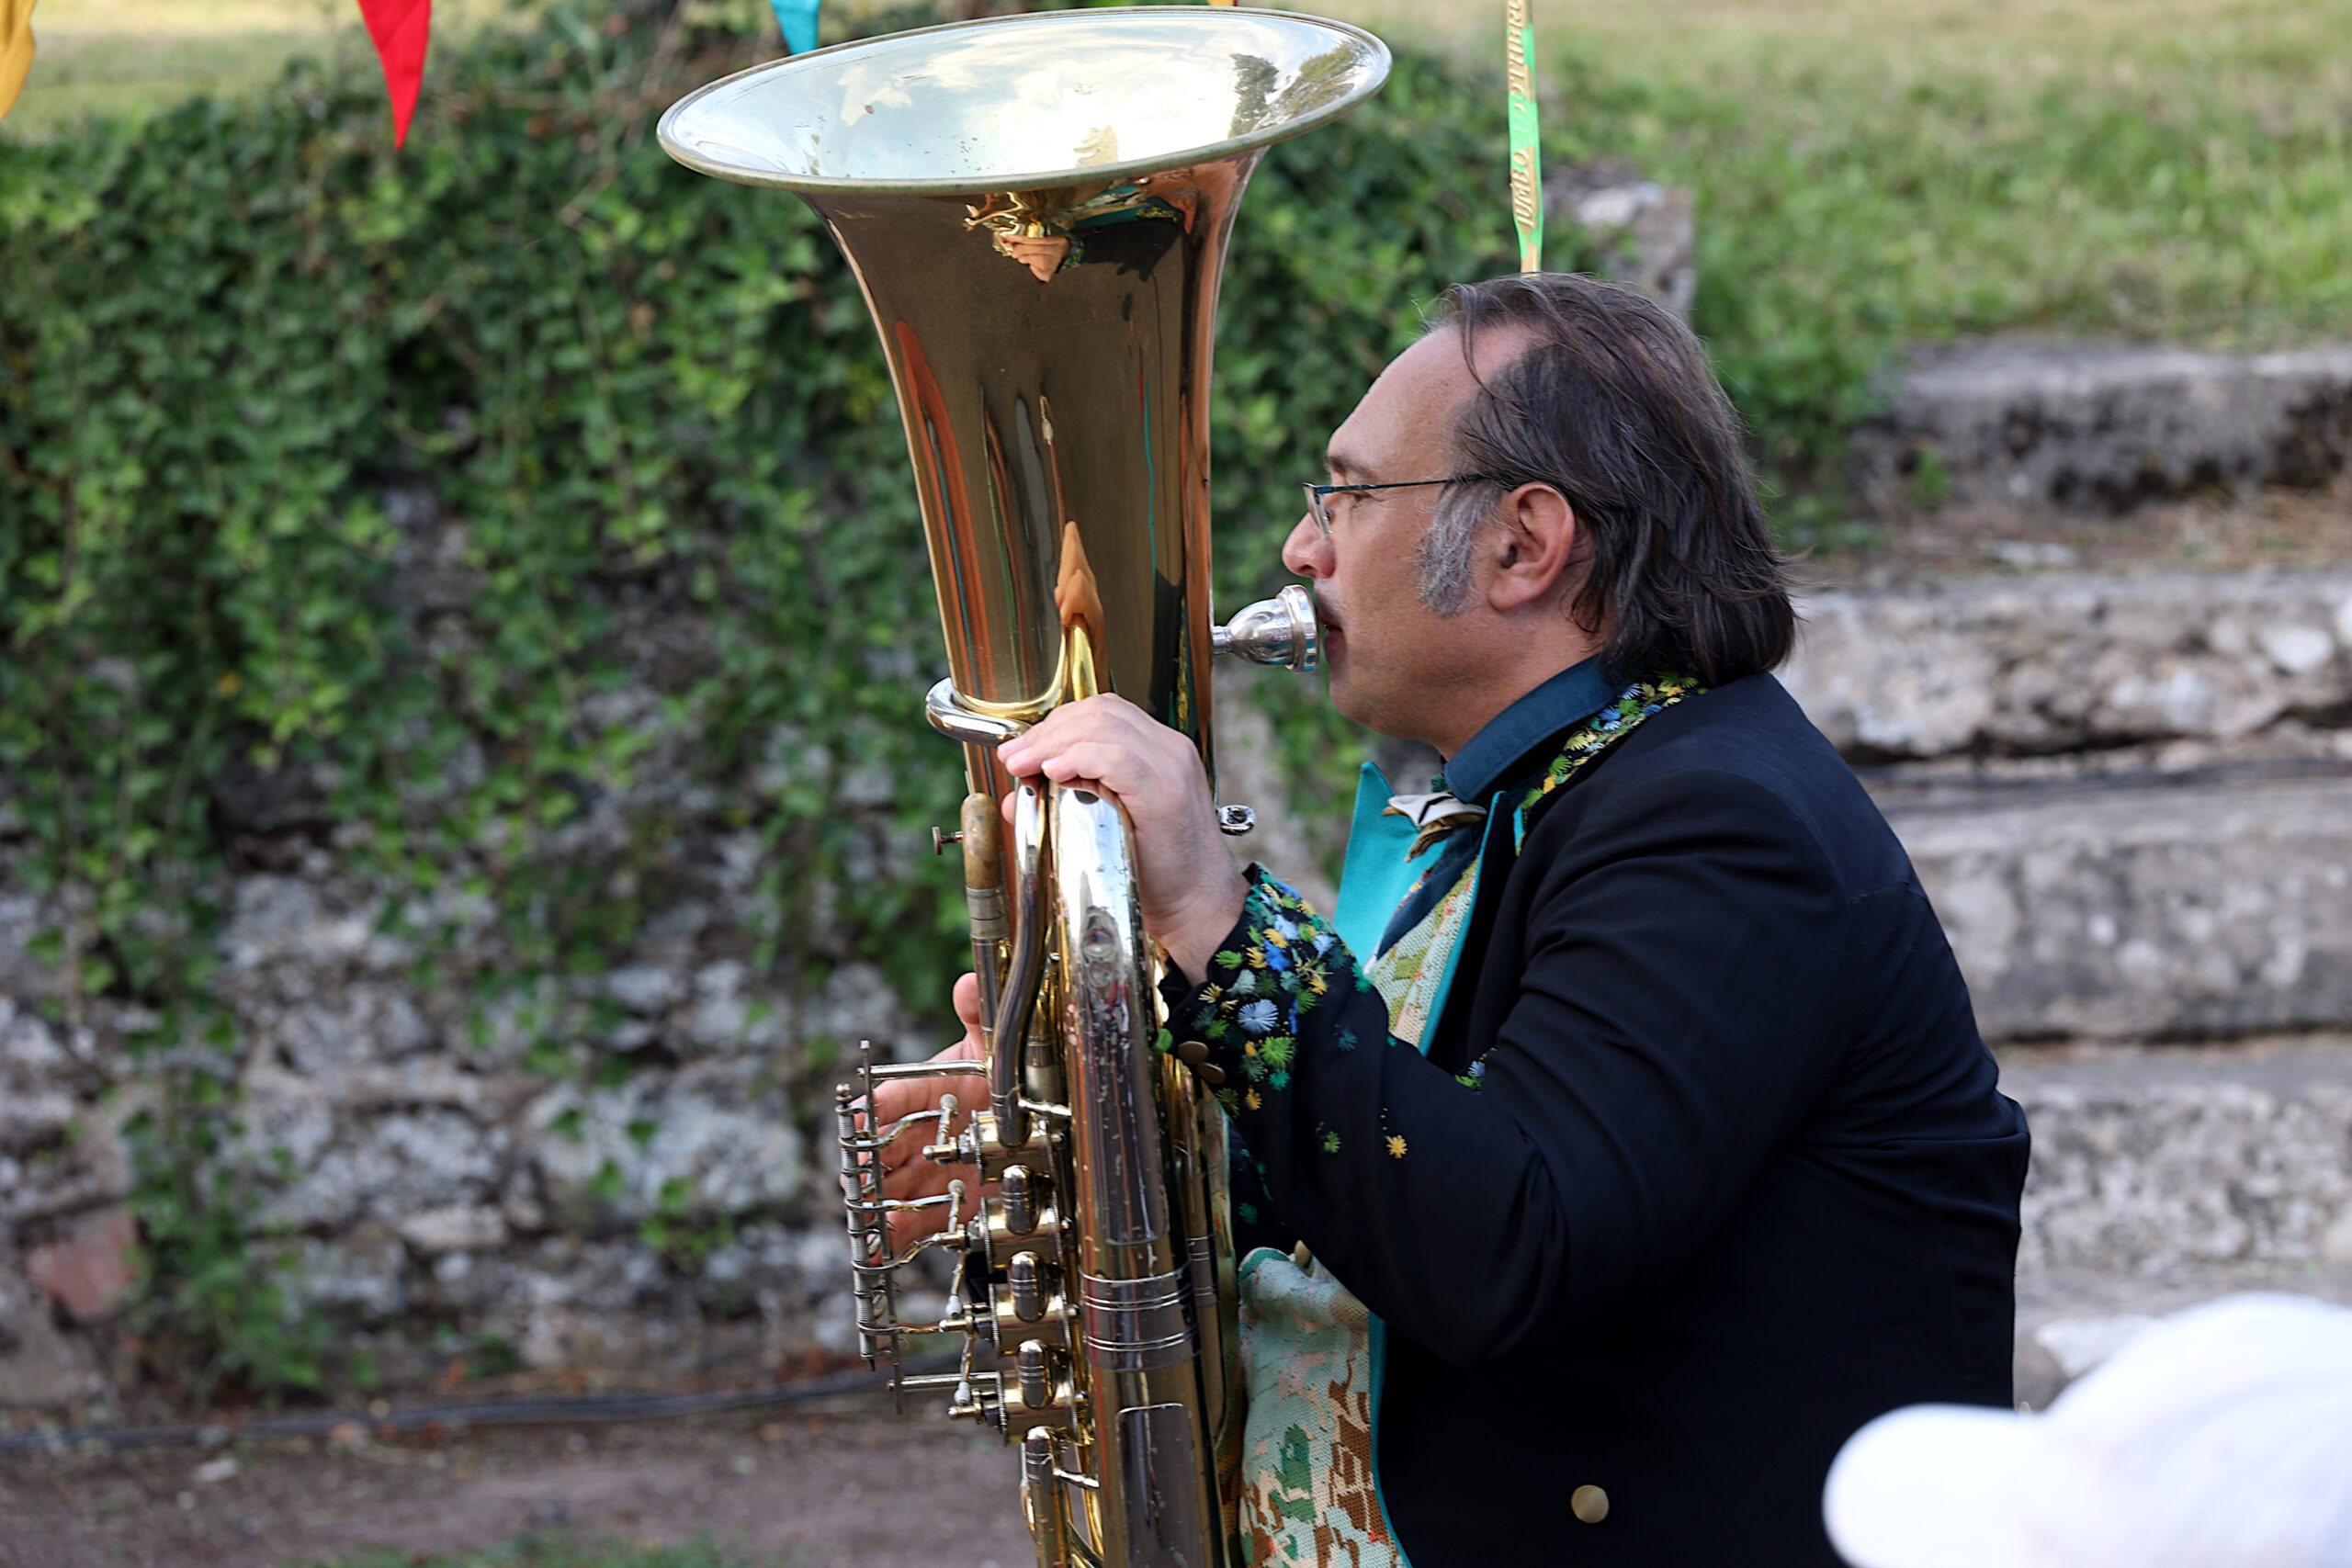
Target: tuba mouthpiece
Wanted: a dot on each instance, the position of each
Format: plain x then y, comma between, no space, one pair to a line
1279,630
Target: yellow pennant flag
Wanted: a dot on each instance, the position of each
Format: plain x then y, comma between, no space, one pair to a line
16,51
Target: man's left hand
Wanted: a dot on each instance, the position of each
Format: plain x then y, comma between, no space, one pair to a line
1191,892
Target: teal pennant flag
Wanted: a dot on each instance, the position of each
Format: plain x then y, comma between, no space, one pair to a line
799,19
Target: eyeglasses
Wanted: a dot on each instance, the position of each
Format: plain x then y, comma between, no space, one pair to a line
1319,496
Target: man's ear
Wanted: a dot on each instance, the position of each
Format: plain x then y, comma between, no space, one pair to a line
1531,548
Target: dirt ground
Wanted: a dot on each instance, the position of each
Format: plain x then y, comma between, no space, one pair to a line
846,1482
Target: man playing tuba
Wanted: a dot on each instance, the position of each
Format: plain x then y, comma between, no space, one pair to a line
1623,1139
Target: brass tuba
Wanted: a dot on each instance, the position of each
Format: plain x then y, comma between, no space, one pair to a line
1037,208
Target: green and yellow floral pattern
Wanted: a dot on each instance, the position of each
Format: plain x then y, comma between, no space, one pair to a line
1286,961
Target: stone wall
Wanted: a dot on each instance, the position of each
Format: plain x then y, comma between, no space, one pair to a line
436,1190
2129,798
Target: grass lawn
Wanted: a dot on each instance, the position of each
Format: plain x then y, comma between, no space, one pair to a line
1870,173
130,57
1874,172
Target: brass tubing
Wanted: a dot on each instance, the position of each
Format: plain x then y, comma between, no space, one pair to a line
1040,1499
983,851
1031,856
1152,1428
1196,1131
984,901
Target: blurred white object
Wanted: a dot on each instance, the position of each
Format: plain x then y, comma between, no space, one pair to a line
2080,1344
2218,1438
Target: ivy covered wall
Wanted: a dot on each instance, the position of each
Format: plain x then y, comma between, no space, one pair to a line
462,626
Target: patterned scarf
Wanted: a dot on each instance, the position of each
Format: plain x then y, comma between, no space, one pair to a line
1416,950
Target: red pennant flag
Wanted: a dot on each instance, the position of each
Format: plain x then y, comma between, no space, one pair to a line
399,29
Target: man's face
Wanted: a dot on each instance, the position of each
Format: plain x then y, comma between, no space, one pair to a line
1394,664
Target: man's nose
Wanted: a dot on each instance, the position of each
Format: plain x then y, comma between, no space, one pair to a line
1306,551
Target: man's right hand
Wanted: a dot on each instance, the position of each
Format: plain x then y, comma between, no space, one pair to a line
909,1175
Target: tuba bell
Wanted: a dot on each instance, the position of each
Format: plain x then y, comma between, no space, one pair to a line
1037,208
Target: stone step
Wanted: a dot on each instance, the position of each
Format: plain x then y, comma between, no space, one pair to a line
2207,902
2131,797
2060,425
2045,665
2166,1176
2161,1161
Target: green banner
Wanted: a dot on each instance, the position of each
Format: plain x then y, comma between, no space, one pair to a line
1526,155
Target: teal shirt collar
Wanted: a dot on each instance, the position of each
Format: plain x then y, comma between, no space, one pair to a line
1490,756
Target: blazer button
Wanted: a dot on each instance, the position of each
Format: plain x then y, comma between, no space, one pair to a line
1590,1504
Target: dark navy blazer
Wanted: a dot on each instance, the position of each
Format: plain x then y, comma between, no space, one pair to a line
1737,1178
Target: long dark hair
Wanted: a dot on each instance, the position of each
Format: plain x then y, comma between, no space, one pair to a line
1614,402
